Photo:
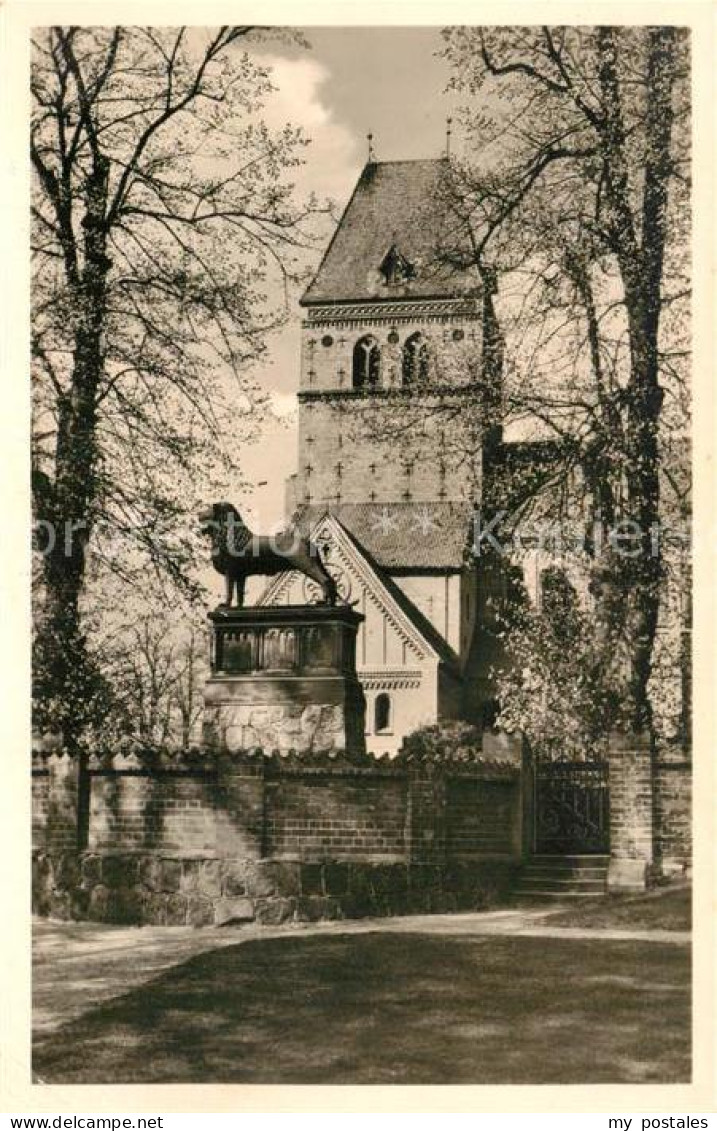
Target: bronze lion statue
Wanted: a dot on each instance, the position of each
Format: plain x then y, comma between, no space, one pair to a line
237,553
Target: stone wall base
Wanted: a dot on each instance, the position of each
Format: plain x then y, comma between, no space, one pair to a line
144,888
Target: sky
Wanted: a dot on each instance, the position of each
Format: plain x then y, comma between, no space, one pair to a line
347,82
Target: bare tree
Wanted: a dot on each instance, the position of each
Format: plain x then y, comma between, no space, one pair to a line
189,684
163,222
588,117
575,195
156,668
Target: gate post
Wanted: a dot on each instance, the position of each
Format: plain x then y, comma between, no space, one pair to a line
631,812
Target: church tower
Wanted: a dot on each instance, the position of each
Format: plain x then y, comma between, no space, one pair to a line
391,347
392,427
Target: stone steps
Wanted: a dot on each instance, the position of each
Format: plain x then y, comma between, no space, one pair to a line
527,897
587,873
546,877
578,860
549,883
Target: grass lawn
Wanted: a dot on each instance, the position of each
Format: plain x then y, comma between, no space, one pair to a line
381,1008
669,909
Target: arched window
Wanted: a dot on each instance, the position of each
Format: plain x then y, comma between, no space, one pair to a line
382,714
415,359
367,363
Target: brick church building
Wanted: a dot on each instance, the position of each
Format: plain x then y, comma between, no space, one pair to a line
392,427
279,815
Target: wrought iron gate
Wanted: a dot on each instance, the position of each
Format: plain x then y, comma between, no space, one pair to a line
571,807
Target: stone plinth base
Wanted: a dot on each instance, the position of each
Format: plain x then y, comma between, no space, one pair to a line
306,716
284,678
627,875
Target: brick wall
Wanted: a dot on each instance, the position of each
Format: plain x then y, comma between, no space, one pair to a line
479,817
40,801
239,836
426,832
230,836
650,812
673,814
66,788
631,811
166,811
337,815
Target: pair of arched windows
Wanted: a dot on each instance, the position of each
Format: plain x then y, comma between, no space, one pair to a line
367,362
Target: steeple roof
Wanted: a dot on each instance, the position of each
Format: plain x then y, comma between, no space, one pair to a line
399,210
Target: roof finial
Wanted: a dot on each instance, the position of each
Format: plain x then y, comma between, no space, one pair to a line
371,154
449,122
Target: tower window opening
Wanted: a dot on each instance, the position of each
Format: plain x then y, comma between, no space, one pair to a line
366,363
382,714
415,360
395,268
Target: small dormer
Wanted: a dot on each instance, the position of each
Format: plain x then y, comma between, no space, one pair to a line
396,268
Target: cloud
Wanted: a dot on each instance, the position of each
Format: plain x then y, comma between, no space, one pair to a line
332,158
332,161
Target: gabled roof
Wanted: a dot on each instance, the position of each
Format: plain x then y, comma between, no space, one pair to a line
424,639
397,207
402,536
428,631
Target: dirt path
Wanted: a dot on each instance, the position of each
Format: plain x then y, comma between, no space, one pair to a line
78,966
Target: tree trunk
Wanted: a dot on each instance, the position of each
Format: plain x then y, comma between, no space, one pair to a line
68,503
641,266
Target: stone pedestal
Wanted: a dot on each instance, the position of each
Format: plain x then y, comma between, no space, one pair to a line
284,678
631,813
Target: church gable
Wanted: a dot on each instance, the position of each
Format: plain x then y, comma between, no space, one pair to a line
389,635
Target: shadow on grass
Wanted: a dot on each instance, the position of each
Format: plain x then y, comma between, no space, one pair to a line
669,909
79,966
382,1009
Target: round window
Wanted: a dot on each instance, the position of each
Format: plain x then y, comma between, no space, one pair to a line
393,337
327,340
458,335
